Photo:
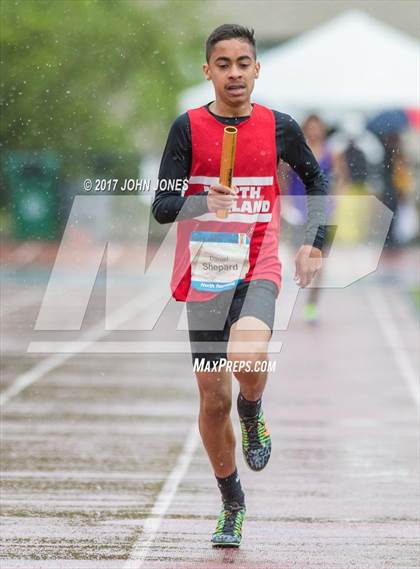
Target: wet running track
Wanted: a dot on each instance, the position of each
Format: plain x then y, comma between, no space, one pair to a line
102,466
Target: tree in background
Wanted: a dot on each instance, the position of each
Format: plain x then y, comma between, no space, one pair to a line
94,76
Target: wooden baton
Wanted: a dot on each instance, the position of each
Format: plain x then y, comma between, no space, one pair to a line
227,162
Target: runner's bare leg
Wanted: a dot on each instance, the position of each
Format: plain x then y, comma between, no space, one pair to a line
216,392
248,341
214,421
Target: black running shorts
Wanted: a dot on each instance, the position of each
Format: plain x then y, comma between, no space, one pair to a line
209,322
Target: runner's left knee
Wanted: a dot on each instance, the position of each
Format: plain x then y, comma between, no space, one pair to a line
248,366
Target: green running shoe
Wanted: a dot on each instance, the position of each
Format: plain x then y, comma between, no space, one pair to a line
228,531
256,441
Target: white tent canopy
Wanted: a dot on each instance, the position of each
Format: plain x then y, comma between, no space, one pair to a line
353,62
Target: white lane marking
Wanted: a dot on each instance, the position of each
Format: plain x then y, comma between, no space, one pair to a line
26,379
118,317
163,501
392,336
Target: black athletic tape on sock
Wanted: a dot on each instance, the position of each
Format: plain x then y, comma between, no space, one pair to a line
248,408
231,489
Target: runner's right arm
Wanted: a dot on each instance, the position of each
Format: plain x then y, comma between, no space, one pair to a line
169,206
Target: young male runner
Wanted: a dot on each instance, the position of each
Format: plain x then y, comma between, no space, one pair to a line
227,270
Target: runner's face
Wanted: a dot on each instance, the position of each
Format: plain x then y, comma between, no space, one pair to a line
232,69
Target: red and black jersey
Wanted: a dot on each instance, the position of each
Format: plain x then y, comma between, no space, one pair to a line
257,208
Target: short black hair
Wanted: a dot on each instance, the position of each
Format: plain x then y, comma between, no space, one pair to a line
228,32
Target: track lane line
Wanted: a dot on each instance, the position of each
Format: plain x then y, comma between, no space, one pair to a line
392,336
163,501
118,317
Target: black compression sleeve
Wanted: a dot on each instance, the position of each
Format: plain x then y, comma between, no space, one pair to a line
170,206
293,149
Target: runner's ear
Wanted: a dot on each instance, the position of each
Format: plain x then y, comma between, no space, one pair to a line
206,71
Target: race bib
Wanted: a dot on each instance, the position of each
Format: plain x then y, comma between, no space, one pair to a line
218,260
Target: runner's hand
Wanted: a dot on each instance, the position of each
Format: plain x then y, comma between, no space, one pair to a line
221,197
308,262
